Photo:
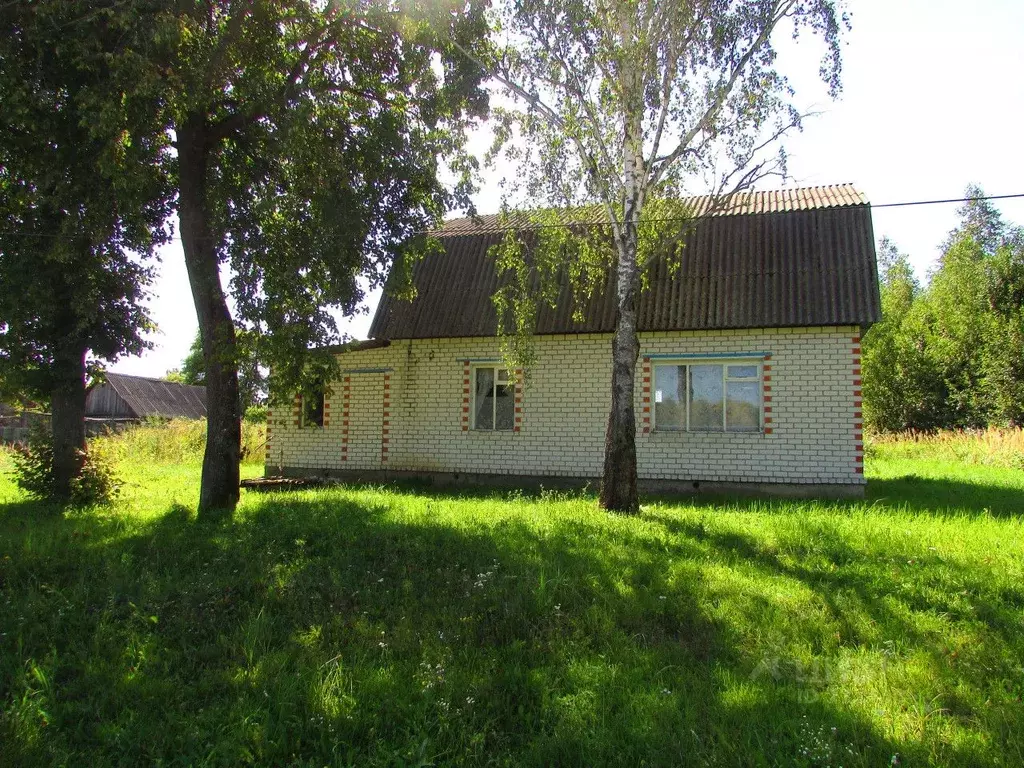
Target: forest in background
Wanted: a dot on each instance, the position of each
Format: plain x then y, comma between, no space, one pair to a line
949,352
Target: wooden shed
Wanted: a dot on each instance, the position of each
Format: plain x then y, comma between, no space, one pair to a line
138,397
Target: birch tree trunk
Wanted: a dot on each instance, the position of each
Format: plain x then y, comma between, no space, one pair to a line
218,493
619,480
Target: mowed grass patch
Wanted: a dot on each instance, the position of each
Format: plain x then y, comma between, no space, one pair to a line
381,626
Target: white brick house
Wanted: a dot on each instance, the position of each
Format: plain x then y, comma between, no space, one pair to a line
749,371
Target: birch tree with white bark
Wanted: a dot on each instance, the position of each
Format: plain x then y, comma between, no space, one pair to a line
619,109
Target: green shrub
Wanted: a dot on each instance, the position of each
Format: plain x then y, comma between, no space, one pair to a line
256,414
33,469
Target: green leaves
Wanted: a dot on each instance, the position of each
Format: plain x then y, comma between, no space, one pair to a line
82,202
327,130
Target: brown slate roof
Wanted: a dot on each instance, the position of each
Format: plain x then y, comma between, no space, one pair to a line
781,258
156,397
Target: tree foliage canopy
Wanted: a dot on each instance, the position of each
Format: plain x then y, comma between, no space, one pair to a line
82,199
325,127
308,141
620,110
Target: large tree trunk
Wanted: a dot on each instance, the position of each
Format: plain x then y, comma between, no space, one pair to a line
67,421
218,493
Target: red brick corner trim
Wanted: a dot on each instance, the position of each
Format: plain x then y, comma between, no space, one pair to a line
270,423
465,395
858,413
385,431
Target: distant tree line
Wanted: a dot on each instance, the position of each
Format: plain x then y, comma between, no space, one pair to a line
252,379
950,353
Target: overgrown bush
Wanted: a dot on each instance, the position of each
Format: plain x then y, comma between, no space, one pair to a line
33,470
256,414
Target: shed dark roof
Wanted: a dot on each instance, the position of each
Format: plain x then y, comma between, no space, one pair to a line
156,397
783,258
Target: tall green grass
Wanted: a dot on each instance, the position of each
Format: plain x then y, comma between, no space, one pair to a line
988,447
178,441
396,627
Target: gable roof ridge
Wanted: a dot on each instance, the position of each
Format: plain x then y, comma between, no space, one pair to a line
743,203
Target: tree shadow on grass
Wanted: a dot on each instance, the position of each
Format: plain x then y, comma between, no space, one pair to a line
933,495
331,628
913,493
919,608
940,496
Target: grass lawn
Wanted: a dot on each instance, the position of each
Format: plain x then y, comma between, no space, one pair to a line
380,627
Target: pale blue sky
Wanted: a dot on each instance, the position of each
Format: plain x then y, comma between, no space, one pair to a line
933,100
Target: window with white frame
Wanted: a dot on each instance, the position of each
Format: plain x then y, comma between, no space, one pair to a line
493,398
708,396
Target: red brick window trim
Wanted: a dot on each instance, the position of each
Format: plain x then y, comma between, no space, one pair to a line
346,387
385,420
645,395
518,416
465,395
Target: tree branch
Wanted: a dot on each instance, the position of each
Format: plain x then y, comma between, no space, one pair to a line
705,122
581,96
672,55
555,119
232,124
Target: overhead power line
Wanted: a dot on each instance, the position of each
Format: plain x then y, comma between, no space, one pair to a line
13,233
955,200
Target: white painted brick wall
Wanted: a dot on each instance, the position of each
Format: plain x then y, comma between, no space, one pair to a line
814,435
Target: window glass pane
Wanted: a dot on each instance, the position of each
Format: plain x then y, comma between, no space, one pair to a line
706,398
484,398
502,376
313,410
505,406
743,406
670,397
742,372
